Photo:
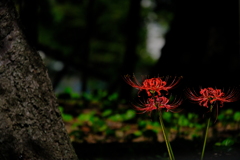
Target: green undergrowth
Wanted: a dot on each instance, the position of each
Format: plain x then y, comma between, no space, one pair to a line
103,117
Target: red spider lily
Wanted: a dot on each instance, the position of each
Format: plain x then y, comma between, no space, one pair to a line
163,102
148,106
152,85
155,103
209,95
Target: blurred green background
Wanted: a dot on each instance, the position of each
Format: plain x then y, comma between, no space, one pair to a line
88,45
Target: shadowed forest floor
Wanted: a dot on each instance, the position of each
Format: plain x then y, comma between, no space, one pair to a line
183,150
101,133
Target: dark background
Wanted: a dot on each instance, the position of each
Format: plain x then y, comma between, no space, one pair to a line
88,45
98,41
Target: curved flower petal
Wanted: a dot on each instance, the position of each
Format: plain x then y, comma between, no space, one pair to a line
157,102
152,85
209,95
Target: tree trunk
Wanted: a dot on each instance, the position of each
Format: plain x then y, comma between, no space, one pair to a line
85,48
31,126
133,23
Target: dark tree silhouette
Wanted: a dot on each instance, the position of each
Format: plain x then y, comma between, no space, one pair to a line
130,58
28,11
31,126
85,48
203,43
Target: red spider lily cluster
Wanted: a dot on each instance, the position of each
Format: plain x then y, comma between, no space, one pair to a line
209,96
152,85
158,88
157,102
154,88
212,98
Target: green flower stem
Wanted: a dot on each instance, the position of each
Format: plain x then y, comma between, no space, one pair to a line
206,134
168,142
169,148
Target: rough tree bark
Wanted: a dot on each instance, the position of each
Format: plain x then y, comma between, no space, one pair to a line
31,127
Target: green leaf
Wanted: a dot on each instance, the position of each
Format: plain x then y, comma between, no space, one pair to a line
75,95
236,116
228,142
191,115
218,144
106,113
138,133
183,121
68,90
60,109
167,116
67,117
191,125
156,124
142,124
102,93
221,116
74,125
199,126
130,114
229,111
113,96
86,116
116,117
87,96
102,128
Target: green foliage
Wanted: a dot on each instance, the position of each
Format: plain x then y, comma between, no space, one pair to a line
236,116
128,115
167,116
87,117
183,121
113,97
145,125
228,142
107,112
102,97
138,133
66,27
116,117
228,116
98,123
225,145
73,95
108,119
98,96
66,117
